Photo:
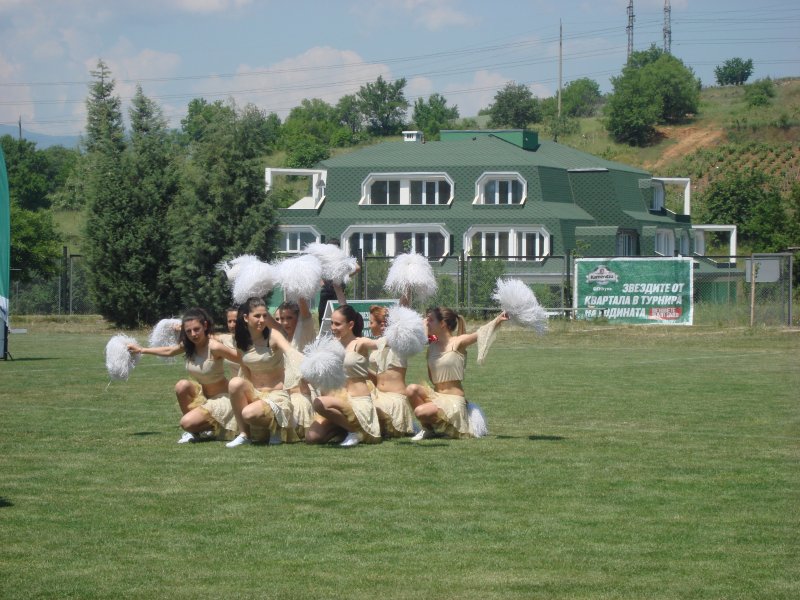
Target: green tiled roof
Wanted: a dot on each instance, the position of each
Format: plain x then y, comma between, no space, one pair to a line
566,189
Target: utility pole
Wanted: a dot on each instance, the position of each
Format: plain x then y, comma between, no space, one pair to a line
667,28
20,128
560,56
629,28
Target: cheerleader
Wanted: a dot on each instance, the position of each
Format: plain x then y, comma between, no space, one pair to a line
395,416
298,326
206,407
353,412
443,409
259,401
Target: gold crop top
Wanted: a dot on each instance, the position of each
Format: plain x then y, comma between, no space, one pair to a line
262,360
447,365
384,358
356,365
206,370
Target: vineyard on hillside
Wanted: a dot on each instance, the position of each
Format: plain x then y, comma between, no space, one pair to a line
781,161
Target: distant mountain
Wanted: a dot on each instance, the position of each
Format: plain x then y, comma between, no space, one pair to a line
42,141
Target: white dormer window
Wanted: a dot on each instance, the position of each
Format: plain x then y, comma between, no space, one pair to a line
500,189
658,196
406,189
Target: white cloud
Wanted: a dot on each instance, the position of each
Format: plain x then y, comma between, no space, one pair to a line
418,87
433,15
321,72
16,99
471,96
440,14
207,6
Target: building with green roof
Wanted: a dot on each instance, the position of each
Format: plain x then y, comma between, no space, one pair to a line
490,193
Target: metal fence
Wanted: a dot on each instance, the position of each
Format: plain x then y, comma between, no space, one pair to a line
724,291
67,293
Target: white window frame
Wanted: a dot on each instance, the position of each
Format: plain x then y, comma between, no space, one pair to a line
288,230
665,242
626,242
393,228
509,176
318,177
513,232
405,180
683,244
659,194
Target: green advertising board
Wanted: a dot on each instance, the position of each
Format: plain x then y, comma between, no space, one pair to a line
362,306
634,290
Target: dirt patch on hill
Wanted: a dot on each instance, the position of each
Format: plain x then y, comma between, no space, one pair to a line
686,139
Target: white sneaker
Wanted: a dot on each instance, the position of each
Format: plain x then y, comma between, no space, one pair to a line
353,439
187,438
239,440
275,439
422,434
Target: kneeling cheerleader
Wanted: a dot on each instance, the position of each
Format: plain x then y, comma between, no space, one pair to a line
205,404
259,400
443,410
351,412
389,362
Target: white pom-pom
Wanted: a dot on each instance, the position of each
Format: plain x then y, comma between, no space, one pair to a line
299,277
477,420
405,331
323,364
255,279
119,361
411,275
336,265
165,333
231,267
519,301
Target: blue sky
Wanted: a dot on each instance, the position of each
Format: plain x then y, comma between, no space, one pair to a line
274,53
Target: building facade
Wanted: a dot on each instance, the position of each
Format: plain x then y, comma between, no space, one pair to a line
497,193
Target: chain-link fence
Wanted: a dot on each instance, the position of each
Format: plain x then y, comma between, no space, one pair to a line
66,293
467,283
724,291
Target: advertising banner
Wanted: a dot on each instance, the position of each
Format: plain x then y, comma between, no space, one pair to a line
634,290
5,256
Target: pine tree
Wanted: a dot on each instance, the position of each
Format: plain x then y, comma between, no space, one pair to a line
153,187
108,226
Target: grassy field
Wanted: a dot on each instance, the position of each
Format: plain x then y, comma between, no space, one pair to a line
622,463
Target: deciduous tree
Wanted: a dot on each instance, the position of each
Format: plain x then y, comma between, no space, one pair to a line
383,105
514,106
752,201
433,115
222,209
734,71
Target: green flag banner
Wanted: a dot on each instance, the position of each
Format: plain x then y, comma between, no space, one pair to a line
5,255
634,290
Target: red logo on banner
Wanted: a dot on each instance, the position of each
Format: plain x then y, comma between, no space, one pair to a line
670,313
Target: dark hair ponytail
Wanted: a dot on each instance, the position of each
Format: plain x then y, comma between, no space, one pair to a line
351,314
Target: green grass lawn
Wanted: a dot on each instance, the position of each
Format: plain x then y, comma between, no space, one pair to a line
648,462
